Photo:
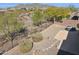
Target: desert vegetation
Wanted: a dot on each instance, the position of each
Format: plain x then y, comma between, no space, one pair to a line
10,27
37,37
26,46
52,14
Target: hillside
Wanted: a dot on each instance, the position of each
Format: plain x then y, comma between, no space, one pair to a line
34,5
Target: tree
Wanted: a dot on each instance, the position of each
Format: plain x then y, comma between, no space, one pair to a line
10,26
37,17
50,12
64,12
56,13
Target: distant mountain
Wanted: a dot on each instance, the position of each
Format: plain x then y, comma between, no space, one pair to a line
33,5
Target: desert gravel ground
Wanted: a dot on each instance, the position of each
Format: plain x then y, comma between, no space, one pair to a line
44,47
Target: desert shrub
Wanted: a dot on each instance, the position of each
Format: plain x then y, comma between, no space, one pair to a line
37,37
34,30
26,46
37,17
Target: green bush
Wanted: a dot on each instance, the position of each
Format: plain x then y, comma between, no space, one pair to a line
37,37
26,46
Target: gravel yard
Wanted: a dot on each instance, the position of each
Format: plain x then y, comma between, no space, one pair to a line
45,46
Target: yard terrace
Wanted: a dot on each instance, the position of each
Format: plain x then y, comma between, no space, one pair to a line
44,46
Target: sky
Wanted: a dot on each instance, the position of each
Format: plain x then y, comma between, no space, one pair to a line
5,5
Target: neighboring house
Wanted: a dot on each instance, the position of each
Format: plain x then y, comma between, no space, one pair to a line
11,9
31,6
2,11
75,15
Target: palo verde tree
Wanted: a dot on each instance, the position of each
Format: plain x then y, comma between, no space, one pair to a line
50,12
37,17
64,12
10,26
56,13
